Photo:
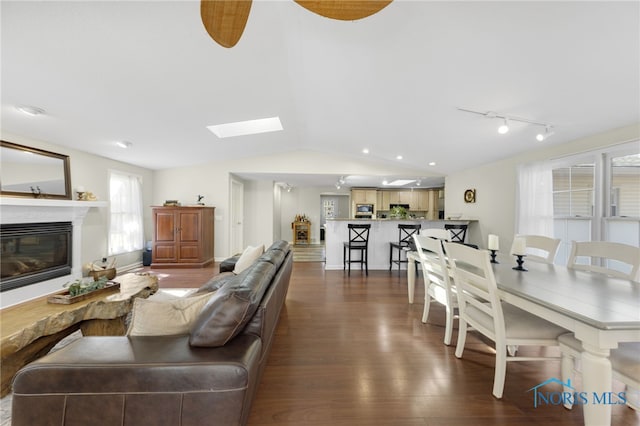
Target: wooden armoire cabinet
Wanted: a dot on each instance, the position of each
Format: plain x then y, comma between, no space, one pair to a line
182,237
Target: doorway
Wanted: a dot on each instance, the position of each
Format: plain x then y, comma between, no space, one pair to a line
237,217
332,207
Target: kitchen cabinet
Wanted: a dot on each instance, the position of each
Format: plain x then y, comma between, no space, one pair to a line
396,197
364,196
420,201
183,237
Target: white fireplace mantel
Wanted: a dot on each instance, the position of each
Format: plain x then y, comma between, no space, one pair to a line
34,210
37,210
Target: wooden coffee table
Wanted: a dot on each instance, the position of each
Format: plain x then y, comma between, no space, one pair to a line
29,330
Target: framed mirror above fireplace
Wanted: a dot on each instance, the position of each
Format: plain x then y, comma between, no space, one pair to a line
33,173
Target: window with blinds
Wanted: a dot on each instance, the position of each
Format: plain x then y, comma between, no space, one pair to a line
573,191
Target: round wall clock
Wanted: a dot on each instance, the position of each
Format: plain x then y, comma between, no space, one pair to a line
470,196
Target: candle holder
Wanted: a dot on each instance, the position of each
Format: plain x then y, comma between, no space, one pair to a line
493,256
520,261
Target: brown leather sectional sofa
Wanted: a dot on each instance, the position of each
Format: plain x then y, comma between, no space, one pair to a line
208,377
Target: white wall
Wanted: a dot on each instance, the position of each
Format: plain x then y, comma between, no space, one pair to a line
304,200
495,185
258,213
212,181
91,171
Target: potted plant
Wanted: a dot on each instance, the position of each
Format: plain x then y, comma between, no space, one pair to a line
398,212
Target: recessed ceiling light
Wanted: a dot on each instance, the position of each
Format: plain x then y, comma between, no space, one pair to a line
249,127
399,157
365,151
433,163
30,110
124,144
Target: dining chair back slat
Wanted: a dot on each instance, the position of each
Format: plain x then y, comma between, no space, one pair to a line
540,248
437,281
605,251
480,307
439,233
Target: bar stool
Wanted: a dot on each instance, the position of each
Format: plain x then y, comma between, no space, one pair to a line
458,232
404,243
359,241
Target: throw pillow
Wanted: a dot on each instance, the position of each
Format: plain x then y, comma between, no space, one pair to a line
232,307
248,256
164,318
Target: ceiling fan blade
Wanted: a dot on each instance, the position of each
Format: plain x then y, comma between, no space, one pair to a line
345,10
225,19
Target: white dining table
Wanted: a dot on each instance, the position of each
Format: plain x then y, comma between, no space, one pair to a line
601,311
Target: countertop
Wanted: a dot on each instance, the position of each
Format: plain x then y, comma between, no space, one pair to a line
393,219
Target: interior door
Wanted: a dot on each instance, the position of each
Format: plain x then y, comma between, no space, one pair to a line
237,217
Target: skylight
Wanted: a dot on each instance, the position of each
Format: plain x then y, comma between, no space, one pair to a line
249,127
400,182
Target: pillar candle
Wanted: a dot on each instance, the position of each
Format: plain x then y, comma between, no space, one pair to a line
519,246
494,243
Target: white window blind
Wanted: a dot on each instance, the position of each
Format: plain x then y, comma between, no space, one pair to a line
596,197
125,227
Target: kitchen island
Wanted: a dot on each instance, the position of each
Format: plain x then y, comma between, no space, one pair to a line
383,231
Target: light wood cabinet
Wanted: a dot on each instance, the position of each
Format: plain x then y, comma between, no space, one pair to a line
301,232
404,197
182,237
420,201
364,196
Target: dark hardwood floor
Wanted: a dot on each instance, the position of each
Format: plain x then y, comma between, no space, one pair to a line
352,351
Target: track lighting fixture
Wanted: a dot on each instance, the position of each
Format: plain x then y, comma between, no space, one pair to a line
504,128
548,131
338,185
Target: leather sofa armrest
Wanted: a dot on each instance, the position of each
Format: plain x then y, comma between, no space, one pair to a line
138,380
228,265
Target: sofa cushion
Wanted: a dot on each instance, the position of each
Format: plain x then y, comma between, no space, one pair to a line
274,257
165,317
248,256
215,283
231,307
279,245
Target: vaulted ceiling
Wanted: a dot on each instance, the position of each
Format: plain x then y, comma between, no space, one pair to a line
148,73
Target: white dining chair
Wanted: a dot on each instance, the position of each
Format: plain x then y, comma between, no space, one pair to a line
437,283
625,360
540,248
607,253
625,365
439,233
481,308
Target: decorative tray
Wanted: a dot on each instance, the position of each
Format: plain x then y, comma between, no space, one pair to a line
64,298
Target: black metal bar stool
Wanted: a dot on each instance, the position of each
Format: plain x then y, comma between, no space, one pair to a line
358,241
458,232
404,243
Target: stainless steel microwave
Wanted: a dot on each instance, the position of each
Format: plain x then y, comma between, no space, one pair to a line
364,208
